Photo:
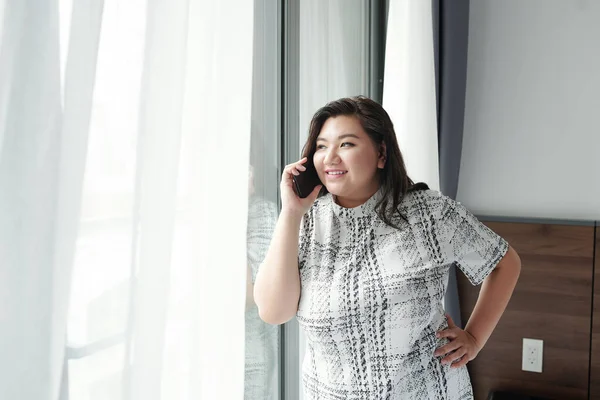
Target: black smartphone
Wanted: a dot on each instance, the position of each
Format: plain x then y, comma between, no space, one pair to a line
307,180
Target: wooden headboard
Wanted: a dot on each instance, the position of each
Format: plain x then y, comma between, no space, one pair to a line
552,302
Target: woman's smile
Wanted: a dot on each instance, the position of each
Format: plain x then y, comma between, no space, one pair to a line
335,174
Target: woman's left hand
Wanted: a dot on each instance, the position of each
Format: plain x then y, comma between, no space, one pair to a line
462,347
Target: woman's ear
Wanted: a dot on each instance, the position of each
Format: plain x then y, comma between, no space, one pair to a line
382,156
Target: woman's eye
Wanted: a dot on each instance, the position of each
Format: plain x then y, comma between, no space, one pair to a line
319,147
347,144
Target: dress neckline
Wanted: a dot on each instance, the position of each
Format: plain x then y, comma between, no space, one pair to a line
367,208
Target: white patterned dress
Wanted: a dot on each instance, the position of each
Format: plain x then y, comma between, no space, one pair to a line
372,296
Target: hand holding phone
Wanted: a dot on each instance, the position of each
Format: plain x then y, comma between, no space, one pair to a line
307,180
300,187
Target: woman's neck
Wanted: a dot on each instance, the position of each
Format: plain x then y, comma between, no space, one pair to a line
354,201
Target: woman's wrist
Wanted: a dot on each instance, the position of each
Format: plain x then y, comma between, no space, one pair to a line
291,214
478,342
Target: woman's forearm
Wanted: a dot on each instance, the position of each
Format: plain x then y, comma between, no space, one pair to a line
494,296
277,285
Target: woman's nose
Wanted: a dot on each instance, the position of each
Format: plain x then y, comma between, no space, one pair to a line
331,157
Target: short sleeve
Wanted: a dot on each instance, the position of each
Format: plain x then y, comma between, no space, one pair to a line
262,217
466,241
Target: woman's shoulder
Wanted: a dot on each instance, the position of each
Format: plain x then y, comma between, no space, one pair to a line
317,210
425,203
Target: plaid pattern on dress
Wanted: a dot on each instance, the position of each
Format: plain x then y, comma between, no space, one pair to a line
372,296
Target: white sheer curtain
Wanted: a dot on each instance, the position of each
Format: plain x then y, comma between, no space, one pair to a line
334,40
41,166
409,87
123,198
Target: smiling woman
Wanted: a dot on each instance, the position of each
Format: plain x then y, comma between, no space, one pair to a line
348,163
364,266
371,155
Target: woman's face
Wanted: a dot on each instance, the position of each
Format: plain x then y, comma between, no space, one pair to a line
347,160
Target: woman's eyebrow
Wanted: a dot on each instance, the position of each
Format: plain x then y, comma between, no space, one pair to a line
341,137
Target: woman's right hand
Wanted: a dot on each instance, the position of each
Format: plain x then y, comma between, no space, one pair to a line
290,202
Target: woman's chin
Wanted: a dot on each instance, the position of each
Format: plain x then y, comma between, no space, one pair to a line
336,191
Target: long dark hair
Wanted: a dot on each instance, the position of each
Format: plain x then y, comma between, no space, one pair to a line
376,122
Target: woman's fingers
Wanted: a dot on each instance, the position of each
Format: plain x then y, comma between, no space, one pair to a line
461,363
455,356
298,164
447,348
289,171
295,167
450,333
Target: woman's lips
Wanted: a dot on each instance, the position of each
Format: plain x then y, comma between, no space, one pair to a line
336,175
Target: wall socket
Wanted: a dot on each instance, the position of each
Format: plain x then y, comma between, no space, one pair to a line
533,355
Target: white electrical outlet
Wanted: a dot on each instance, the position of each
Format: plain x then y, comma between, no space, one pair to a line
533,355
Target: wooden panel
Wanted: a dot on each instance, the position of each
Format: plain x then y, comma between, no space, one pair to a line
595,363
552,302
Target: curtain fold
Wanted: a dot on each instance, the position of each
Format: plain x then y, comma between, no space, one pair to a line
333,54
158,143
409,87
42,160
451,37
216,136
31,135
79,83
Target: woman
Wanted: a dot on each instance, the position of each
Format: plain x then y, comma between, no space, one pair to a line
364,260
